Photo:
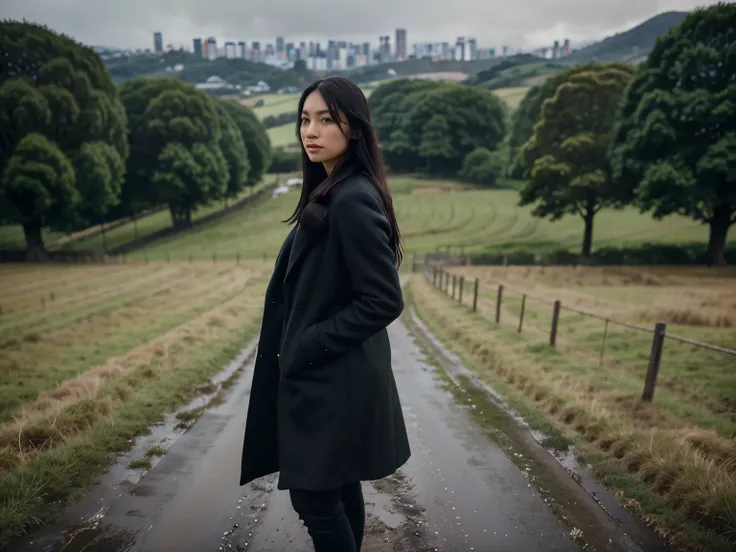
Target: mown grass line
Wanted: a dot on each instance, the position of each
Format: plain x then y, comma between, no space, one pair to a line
35,367
679,478
36,492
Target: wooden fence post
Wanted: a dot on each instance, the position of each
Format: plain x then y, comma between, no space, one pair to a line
655,356
434,275
499,298
521,314
454,285
462,286
555,320
475,295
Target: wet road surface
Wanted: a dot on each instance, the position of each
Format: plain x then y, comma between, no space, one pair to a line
458,492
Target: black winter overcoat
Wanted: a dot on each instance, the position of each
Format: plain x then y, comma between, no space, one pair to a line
324,409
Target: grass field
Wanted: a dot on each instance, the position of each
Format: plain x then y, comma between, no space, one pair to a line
672,460
283,135
436,214
276,104
94,355
512,96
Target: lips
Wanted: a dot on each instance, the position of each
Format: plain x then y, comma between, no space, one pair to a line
313,147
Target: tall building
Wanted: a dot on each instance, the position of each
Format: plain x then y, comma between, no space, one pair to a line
242,50
212,48
279,44
198,47
158,43
472,52
400,44
384,48
460,49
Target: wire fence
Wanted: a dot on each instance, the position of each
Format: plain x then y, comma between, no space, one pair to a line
566,327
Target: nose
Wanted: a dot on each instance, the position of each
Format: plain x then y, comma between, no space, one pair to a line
311,130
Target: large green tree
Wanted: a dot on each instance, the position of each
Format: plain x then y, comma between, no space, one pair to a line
566,156
675,148
255,138
530,111
435,146
392,100
62,133
175,158
476,118
233,148
429,125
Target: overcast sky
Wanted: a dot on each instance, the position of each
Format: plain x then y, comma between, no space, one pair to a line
520,23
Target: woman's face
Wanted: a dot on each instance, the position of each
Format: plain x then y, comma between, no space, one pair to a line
324,139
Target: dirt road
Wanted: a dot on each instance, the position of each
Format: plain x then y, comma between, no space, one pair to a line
459,491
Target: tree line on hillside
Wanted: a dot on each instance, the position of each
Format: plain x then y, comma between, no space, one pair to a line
75,149
444,129
660,136
241,72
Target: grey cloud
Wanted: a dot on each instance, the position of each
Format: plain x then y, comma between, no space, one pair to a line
525,22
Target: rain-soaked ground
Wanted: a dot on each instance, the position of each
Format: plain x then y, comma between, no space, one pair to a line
460,490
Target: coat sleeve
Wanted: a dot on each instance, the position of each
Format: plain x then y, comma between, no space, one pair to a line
364,233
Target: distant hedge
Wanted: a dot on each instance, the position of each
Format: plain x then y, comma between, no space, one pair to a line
286,161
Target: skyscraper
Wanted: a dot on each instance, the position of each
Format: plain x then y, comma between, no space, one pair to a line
211,48
400,44
472,49
158,43
198,47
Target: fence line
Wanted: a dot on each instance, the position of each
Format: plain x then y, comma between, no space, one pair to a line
440,279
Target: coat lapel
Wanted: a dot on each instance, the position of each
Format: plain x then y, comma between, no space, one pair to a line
300,247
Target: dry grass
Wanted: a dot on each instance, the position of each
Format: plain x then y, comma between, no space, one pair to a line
696,303
680,474
675,295
120,346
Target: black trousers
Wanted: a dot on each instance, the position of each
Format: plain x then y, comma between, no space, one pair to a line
334,519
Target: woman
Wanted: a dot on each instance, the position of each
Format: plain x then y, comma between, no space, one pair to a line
324,410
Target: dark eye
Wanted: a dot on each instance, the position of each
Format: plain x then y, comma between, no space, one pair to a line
304,120
326,120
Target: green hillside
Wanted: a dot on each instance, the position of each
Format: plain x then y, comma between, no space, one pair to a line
235,71
436,214
629,46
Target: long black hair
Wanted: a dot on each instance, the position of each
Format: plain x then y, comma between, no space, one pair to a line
362,156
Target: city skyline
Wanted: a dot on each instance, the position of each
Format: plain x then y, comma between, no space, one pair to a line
526,24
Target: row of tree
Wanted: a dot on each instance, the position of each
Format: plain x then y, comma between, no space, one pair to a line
660,136
75,148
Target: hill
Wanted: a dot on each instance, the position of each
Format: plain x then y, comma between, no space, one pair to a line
194,69
514,71
628,46
425,65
